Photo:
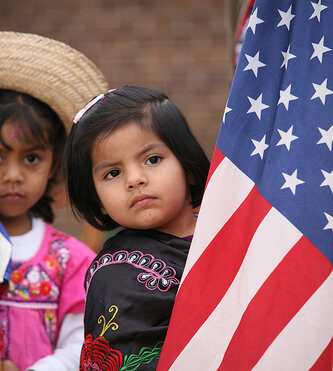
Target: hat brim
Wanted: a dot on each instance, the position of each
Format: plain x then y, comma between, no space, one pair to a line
50,71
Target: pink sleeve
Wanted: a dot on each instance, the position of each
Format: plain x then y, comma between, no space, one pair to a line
72,295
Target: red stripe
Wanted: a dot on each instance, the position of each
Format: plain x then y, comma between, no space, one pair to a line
218,156
210,277
288,288
325,361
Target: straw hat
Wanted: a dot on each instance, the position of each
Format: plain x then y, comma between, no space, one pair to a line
49,70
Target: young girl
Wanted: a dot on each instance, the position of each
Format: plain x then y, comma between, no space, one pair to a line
132,161
43,82
41,313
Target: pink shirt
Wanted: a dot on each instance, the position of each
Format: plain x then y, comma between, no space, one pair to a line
41,292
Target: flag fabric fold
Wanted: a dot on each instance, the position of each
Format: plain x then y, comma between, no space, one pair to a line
257,289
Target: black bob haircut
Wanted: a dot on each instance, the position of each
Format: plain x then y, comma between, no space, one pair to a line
40,125
150,109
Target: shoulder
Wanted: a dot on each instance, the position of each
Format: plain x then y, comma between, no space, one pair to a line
75,247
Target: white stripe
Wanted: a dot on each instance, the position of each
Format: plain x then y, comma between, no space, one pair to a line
29,305
303,340
5,252
225,192
273,239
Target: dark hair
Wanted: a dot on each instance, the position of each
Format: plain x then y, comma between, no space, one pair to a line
41,125
150,109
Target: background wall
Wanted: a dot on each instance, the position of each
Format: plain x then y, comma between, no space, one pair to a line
179,46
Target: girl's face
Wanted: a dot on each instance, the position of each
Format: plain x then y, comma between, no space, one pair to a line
141,183
25,170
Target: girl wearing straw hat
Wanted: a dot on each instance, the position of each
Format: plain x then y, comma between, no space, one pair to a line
42,84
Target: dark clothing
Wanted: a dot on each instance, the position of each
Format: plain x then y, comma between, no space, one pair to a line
131,288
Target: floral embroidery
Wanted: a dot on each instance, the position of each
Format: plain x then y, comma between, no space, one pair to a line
16,276
97,355
45,288
40,281
156,273
146,355
38,284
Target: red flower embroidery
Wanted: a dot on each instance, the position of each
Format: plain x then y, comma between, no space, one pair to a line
97,355
50,262
45,288
16,276
34,289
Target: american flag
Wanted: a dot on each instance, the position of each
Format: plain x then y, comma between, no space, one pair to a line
257,289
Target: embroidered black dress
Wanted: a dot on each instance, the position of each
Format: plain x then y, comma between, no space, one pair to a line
131,288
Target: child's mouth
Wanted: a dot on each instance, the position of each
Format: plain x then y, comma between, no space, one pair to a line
142,200
13,196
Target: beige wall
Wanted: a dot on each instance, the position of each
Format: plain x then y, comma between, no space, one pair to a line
178,46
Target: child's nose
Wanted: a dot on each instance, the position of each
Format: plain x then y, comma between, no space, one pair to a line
12,173
136,179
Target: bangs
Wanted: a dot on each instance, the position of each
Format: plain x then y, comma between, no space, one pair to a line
95,137
33,130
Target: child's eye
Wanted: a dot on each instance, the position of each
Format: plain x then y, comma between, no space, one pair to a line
31,159
153,160
112,174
